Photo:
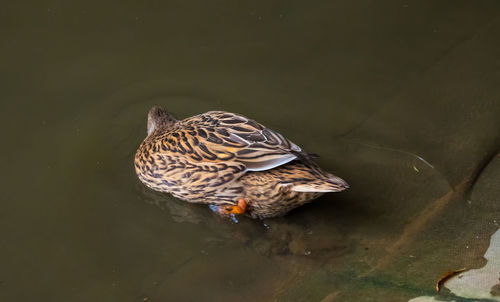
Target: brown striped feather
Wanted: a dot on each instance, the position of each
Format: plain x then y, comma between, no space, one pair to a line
218,157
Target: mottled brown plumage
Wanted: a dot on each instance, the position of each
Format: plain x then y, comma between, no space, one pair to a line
224,159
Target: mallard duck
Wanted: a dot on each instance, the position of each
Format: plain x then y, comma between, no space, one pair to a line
230,162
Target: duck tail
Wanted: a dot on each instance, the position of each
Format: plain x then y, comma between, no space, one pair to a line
328,183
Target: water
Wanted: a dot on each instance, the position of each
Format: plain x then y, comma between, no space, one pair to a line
400,98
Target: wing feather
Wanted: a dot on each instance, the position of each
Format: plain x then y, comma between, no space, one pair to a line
219,136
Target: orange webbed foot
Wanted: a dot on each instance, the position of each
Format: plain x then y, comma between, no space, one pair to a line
240,208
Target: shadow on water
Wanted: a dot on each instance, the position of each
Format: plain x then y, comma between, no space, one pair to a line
400,99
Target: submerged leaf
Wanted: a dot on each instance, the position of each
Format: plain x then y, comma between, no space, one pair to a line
447,276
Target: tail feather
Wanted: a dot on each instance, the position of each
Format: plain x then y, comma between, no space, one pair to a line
329,184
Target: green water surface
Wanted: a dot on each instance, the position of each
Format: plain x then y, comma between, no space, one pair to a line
400,98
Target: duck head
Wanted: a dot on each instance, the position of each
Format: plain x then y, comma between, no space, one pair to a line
159,118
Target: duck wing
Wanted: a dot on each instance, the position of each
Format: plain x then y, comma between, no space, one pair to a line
219,136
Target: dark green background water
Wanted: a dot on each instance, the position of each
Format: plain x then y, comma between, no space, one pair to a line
400,98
